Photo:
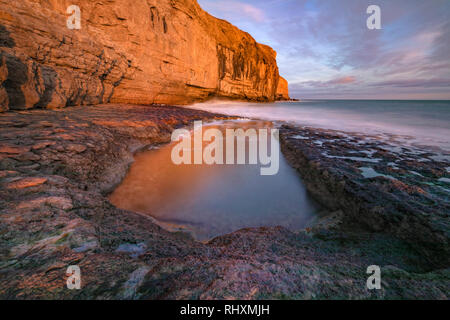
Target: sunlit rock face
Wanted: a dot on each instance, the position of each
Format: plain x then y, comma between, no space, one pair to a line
141,51
282,89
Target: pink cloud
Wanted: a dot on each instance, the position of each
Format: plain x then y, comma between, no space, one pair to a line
331,83
343,80
253,12
236,8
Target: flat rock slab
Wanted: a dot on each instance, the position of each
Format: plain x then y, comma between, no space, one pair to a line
26,183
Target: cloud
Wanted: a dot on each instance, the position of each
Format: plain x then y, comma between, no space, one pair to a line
343,80
326,84
253,12
231,9
319,40
415,83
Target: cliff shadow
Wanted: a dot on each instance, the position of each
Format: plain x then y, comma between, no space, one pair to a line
49,77
18,75
17,71
5,38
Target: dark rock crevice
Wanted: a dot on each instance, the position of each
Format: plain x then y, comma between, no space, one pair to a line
17,77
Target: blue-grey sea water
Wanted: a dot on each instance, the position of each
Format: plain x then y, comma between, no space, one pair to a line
419,122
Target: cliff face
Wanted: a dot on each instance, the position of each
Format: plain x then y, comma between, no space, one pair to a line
144,51
282,89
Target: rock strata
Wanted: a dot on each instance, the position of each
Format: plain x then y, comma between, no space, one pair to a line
153,51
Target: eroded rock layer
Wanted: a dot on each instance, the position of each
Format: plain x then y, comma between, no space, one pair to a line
145,51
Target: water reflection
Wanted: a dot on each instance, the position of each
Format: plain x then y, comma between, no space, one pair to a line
211,200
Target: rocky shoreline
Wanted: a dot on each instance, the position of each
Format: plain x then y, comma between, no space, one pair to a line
377,186
56,168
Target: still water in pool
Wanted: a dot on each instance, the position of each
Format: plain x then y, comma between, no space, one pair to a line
212,200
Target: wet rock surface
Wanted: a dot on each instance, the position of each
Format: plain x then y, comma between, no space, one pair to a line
56,168
379,184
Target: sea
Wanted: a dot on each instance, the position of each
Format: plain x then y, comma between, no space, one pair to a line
413,122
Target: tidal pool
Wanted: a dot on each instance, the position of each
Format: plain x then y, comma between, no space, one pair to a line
212,200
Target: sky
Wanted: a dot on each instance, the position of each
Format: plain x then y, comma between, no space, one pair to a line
326,51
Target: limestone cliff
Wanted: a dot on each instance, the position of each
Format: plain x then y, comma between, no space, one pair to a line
282,89
141,51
